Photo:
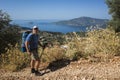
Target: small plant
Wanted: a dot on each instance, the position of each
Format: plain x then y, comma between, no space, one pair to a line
14,59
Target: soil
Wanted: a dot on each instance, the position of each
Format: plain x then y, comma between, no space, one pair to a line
69,70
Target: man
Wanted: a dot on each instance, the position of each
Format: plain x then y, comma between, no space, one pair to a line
31,44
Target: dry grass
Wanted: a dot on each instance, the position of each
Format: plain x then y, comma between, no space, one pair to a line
53,54
14,59
101,43
98,45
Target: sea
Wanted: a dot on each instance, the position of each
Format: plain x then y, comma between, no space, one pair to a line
48,25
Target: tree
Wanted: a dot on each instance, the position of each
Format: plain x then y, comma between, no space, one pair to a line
9,36
4,19
8,33
114,10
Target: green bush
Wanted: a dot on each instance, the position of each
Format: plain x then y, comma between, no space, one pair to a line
9,35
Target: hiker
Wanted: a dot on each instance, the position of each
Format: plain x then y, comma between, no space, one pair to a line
31,44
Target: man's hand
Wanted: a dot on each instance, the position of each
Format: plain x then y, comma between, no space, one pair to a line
28,52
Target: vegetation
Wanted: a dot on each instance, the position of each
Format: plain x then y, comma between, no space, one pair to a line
8,33
114,10
52,37
4,19
98,45
14,59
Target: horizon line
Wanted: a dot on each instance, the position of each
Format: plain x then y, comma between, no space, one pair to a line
61,19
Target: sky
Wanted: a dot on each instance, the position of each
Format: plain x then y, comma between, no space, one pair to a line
54,9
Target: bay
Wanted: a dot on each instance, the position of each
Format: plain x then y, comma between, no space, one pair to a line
48,25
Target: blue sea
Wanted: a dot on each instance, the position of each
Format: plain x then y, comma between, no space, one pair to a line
48,25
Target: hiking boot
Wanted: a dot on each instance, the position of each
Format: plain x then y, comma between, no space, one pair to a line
32,70
37,73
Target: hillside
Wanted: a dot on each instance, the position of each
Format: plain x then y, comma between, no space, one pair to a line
84,21
78,70
95,57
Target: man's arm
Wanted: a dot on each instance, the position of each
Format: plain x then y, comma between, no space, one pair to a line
27,48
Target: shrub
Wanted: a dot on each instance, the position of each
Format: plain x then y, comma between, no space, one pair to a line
14,59
103,41
9,35
53,54
97,42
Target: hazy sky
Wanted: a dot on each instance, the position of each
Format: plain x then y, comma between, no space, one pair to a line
54,9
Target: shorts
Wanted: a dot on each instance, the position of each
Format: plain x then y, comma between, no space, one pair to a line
34,55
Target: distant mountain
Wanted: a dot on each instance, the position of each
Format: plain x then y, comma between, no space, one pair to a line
25,28
84,21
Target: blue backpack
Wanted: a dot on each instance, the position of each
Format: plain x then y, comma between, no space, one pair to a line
24,36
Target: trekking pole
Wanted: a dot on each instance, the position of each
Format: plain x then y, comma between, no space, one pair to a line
42,53
43,48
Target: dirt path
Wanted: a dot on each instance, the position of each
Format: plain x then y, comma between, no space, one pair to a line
78,70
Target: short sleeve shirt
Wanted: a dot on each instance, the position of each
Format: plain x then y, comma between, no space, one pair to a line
33,41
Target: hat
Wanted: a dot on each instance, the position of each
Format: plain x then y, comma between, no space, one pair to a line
35,27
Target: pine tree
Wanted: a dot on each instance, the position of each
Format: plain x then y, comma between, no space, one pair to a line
114,10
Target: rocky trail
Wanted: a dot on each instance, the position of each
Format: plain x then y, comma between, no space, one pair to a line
67,70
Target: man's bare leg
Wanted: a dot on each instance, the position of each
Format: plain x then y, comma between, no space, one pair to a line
37,63
32,66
